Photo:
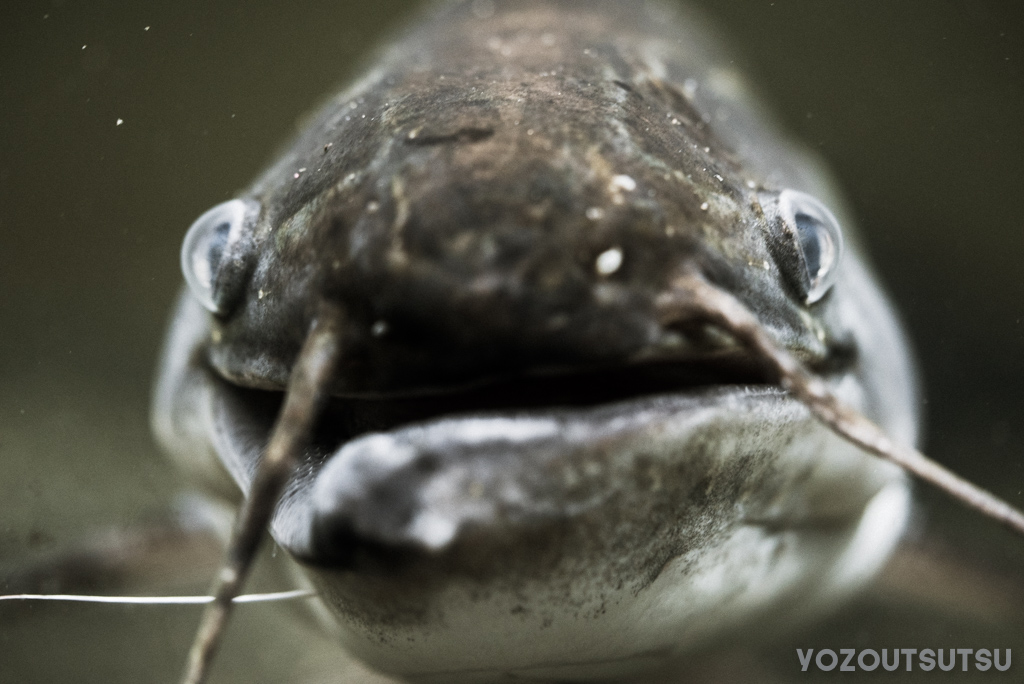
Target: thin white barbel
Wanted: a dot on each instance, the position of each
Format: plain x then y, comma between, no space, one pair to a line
160,600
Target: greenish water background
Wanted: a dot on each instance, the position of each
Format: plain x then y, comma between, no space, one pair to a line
918,106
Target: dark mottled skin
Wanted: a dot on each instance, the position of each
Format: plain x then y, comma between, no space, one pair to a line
480,255
455,203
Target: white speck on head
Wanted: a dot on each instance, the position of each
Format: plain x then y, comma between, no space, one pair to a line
372,207
483,9
379,329
609,262
146,29
751,184
84,46
705,206
295,176
623,182
595,213
261,294
720,179
119,122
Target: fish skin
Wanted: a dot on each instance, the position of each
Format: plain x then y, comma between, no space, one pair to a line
481,186
457,212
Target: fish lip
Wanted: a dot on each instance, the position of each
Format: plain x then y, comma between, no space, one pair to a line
243,419
255,405
367,497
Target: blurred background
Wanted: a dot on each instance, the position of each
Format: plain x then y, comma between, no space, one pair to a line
120,122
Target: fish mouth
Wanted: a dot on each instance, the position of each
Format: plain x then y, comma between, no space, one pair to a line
349,417
555,492
373,461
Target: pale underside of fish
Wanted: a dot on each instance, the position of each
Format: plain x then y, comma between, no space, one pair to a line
524,469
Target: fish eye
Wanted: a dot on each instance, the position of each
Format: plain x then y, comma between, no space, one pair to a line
819,242
214,256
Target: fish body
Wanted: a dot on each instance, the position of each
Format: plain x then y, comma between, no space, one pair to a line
524,469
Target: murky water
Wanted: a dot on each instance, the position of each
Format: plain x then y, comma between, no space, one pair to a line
121,121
